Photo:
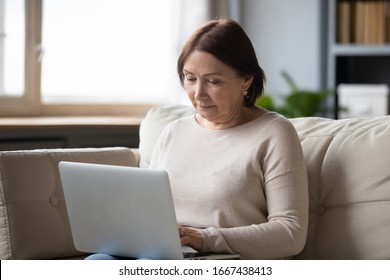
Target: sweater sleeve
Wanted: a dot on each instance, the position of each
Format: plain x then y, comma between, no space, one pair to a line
285,187
283,235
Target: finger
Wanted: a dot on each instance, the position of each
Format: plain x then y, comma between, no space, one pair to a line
185,240
181,231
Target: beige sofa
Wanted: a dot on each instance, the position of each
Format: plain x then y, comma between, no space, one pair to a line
349,179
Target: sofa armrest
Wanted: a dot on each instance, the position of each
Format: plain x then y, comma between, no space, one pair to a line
137,156
33,217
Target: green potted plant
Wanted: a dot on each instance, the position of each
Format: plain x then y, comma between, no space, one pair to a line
299,103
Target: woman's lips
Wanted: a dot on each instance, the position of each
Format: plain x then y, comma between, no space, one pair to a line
205,106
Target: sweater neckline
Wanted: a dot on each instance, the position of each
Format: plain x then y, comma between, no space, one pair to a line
238,127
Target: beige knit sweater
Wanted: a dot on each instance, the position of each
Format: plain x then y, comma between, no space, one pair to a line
245,186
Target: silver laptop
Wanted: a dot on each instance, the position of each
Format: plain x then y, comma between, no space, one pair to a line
123,211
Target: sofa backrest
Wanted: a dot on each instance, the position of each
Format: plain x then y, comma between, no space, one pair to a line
349,181
33,217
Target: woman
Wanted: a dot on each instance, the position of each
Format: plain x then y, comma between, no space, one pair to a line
237,171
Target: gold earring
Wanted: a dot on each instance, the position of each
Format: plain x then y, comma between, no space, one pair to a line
245,92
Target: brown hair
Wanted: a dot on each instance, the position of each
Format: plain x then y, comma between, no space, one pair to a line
227,41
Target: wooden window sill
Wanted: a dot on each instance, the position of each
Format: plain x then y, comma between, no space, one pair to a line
17,123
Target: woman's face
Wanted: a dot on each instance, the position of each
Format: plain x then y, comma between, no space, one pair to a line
215,90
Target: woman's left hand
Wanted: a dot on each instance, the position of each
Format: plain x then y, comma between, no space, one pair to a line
191,237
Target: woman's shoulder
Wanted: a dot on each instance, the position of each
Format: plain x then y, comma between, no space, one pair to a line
270,118
274,124
182,123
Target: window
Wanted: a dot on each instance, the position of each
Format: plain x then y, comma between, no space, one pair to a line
107,51
87,56
84,57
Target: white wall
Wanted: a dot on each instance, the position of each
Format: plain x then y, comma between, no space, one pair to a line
287,36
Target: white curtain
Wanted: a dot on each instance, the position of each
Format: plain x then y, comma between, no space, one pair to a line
193,13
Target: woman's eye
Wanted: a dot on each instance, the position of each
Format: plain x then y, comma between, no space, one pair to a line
213,82
190,79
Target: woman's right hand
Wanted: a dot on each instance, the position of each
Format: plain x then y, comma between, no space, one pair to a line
192,237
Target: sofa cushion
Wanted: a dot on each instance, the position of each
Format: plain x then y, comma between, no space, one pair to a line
349,179
33,218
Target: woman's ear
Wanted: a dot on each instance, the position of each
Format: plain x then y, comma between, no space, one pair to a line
247,82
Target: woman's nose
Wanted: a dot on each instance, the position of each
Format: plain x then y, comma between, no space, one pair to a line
200,92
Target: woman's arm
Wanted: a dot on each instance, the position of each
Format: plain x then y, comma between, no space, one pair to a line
283,235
